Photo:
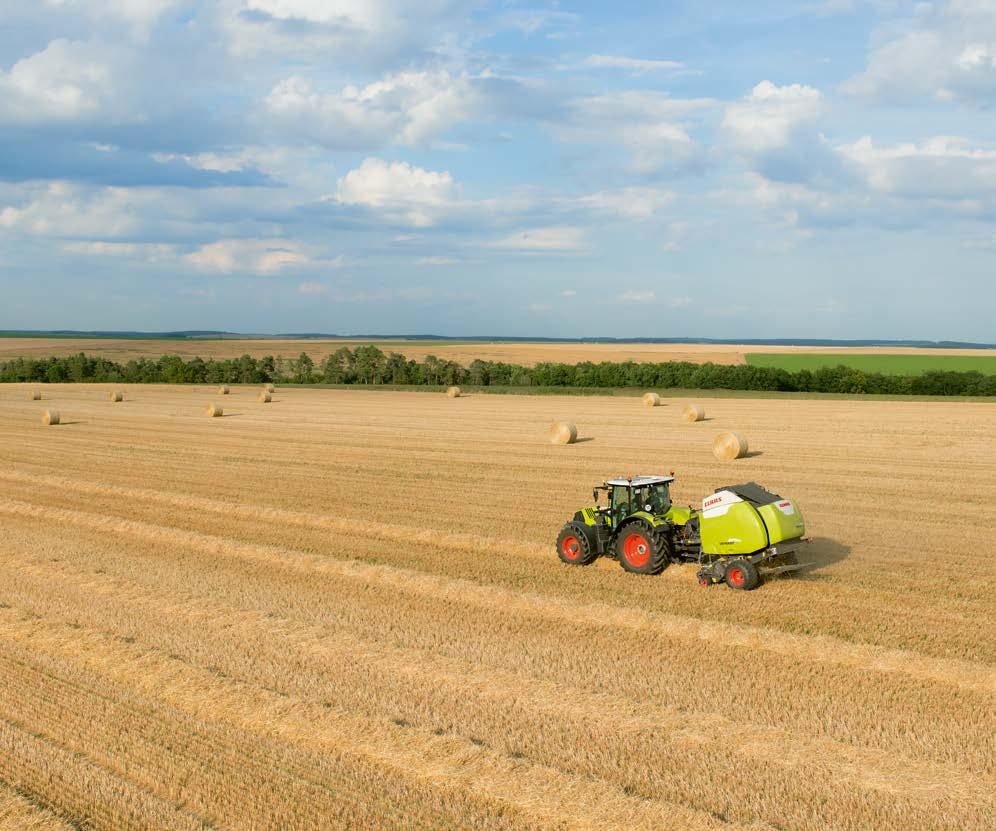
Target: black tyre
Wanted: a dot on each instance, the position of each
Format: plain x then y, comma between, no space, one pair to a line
641,550
742,575
574,546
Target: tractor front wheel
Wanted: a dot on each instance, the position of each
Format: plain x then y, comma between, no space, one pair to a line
574,546
640,551
742,576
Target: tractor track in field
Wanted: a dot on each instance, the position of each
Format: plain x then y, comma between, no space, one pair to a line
818,648
311,649
547,797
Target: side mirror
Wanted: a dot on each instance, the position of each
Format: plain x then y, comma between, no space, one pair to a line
594,494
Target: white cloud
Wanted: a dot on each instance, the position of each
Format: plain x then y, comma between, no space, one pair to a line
63,210
552,239
438,261
947,51
311,288
66,81
770,116
406,108
652,126
569,293
638,296
943,167
638,65
248,255
150,252
539,308
398,188
636,203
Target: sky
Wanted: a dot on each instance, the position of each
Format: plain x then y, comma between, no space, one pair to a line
790,169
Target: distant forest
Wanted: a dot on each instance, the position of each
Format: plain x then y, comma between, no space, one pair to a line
369,365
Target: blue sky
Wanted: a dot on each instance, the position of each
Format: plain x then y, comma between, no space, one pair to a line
821,168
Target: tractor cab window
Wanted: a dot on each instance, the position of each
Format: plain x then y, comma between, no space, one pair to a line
659,498
620,503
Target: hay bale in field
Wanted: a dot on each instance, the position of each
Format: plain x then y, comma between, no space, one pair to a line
223,389
563,432
117,395
214,410
453,392
265,397
693,412
50,417
651,399
268,387
729,446
34,395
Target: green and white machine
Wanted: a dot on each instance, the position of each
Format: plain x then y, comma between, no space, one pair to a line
742,534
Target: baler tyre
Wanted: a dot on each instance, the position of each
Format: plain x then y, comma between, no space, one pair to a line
741,575
639,550
574,546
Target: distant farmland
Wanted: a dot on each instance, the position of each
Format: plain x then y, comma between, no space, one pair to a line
885,364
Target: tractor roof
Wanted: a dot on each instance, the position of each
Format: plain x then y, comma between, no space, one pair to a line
640,481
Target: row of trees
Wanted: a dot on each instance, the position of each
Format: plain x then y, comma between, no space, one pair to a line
369,365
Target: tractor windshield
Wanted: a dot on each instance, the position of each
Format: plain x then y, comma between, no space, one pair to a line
655,499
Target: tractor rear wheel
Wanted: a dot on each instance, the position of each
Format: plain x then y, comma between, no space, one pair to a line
742,575
640,550
574,546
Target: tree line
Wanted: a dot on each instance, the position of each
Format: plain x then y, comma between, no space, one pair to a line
369,365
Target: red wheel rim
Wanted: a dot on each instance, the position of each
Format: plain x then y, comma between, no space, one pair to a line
736,577
571,548
636,550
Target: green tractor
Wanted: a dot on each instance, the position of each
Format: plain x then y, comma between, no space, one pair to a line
743,533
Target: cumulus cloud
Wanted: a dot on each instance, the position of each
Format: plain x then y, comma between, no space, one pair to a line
65,211
771,116
406,108
946,51
417,195
373,32
66,81
438,261
248,255
943,167
553,239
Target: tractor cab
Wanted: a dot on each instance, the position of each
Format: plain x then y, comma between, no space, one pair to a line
648,495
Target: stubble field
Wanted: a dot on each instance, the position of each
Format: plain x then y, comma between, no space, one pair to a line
343,609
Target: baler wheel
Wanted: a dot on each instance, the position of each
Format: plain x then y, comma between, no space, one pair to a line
741,575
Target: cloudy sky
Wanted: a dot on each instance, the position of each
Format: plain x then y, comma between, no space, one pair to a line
799,168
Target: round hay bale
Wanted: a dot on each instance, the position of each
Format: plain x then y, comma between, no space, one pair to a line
50,417
729,446
265,397
693,412
652,399
34,395
117,395
223,389
214,410
563,432
268,387
453,392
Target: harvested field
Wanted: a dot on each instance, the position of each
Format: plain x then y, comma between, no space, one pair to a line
344,610
525,354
